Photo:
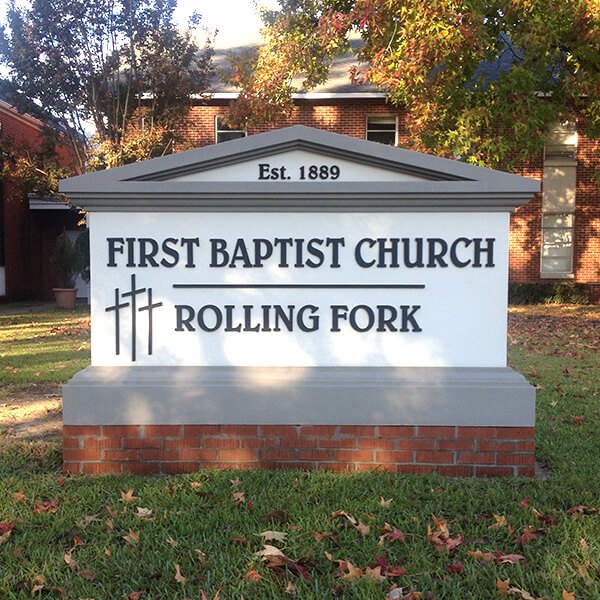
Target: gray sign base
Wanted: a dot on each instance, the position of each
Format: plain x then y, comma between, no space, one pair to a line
299,395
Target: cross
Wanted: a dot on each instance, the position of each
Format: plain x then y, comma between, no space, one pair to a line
150,307
117,307
133,293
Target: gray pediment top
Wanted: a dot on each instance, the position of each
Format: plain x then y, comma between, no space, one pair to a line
232,176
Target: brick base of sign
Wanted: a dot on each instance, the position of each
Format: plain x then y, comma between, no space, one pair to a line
166,449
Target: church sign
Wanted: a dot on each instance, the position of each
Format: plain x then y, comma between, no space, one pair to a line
292,280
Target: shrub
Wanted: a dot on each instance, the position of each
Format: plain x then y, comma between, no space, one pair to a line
548,293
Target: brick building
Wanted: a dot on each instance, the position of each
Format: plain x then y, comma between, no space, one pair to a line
555,238
28,226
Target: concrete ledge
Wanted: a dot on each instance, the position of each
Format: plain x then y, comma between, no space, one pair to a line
299,395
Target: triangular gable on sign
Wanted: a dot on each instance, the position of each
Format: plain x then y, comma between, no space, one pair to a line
299,168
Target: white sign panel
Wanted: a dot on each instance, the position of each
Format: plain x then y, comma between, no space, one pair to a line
299,289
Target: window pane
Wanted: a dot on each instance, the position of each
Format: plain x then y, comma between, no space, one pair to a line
556,265
382,129
225,136
553,221
383,137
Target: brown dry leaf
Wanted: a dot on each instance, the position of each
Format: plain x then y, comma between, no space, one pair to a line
362,528
320,535
478,555
172,542
343,513
127,497
69,560
40,581
412,595
500,522
290,589
329,556
107,552
385,503
132,538
87,574
252,575
19,496
238,498
374,574
584,545
109,524
235,482
583,569
195,484
521,594
269,536
502,587
200,554
179,578
352,571
512,559
441,526
144,513
568,595
134,596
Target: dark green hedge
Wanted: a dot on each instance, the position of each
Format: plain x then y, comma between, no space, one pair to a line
548,293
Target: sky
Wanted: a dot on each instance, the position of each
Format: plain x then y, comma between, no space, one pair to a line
237,20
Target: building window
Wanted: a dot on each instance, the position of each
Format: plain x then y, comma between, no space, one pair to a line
224,133
557,244
382,129
558,201
561,141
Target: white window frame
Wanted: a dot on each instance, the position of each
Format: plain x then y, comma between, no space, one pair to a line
220,130
381,116
560,152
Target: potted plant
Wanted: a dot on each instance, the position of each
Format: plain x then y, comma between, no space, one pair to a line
66,262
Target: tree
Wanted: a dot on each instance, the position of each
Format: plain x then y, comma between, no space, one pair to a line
478,80
122,65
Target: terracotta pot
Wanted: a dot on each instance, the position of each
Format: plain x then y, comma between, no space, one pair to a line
65,297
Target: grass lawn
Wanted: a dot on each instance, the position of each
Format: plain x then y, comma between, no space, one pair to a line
260,535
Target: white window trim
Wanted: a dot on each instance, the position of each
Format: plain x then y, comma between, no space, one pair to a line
217,130
374,115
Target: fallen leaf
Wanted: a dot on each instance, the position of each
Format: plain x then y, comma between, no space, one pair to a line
455,568
512,559
40,581
568,595
87,574
172,542
269,536
374,574
19,496
392,533
107,552
235,482
132,538
343,513
134,596
500,522
238,498
252,575
144,513
352,572
239,540
69,560
290,589
179,578
385,503
320,535
126,497
579,511
362,528
478,555
502,587
584,545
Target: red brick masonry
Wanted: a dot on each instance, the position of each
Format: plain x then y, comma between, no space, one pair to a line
454,450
